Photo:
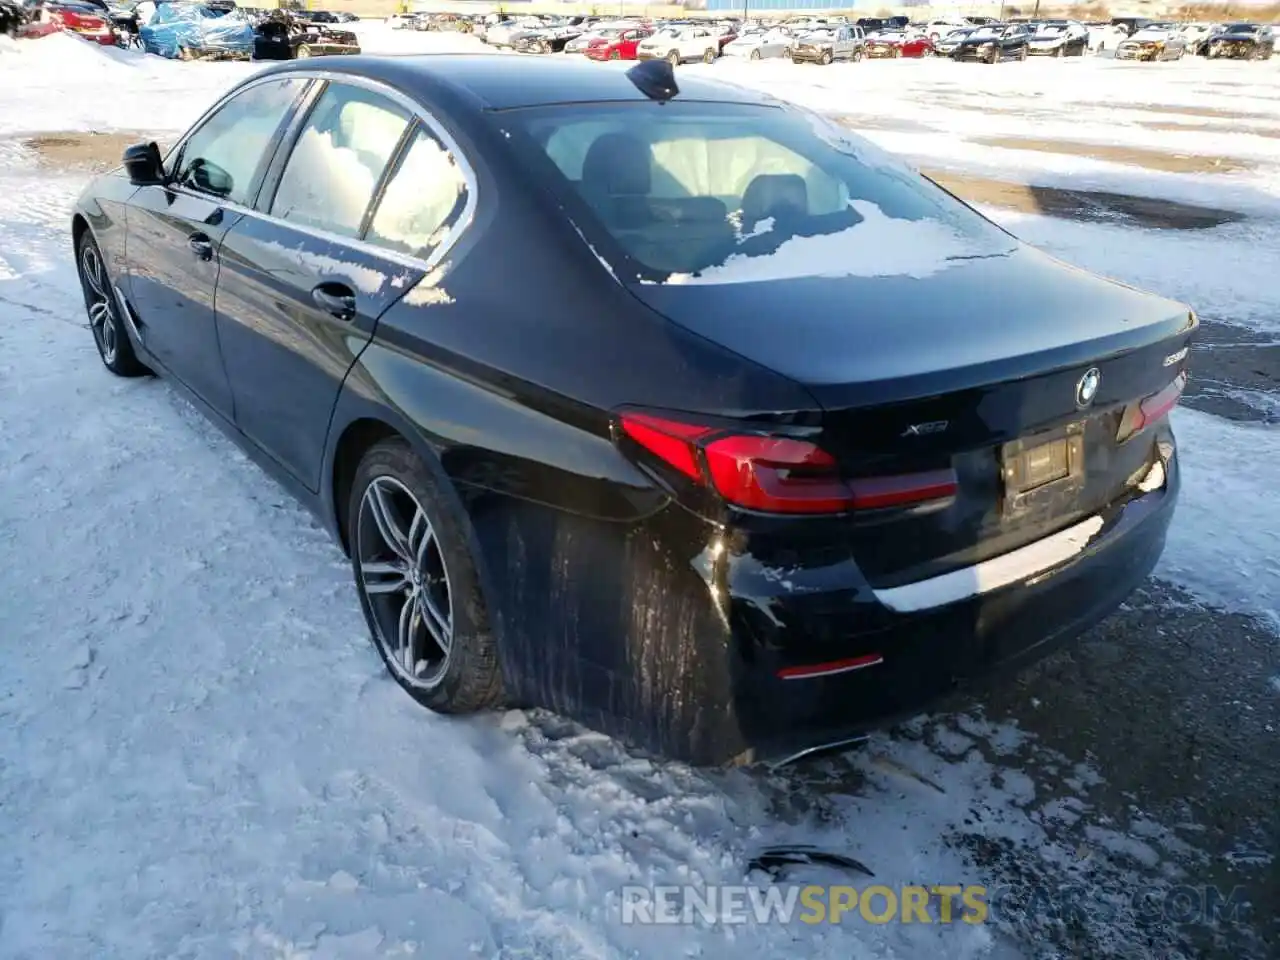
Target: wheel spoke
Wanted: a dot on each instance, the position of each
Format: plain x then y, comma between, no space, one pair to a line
384,515
424,544
406,649
437,624
384,576
93,271
420,535
99,315
108,342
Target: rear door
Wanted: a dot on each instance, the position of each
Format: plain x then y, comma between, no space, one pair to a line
176,232
349,219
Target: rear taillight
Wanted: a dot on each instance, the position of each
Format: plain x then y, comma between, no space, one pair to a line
1138,416
775,474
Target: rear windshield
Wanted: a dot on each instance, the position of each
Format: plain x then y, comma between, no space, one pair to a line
731,192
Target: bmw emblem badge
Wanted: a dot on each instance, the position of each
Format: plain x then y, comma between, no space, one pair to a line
1087,388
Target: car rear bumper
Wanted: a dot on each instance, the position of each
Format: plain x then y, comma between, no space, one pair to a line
893,663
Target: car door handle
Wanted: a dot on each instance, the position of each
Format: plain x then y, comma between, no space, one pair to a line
336,299
201,246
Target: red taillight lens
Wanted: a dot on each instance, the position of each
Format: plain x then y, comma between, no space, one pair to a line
669,440
1138,416
776,474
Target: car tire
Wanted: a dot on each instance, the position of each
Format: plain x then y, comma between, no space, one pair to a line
826,58
673,58
429,575
857,56
110,334
709,56
755,54
1059,53
1022,53
303,52
184,54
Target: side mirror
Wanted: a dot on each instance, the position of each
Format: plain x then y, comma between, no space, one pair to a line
144,164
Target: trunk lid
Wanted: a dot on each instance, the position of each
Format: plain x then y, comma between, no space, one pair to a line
976,369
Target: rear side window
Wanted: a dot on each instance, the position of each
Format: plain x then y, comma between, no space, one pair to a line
339,157
687,188
223,157
423,198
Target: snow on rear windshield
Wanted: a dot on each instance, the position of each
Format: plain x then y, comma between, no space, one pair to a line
721,193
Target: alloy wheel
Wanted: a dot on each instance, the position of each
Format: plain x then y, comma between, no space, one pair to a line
99,302
403,575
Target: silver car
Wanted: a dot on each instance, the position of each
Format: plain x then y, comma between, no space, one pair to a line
824,46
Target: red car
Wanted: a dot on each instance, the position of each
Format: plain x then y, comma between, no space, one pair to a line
79,18
618,46
898,45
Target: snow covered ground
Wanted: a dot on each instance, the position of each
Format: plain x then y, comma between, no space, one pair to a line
200,755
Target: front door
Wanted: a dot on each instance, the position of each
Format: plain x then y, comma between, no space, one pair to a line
175,233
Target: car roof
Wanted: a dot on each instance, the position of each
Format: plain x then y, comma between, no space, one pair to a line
502,82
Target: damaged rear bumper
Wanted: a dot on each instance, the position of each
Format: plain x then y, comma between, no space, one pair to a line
692,648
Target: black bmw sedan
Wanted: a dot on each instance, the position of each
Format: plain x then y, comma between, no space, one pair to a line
677,410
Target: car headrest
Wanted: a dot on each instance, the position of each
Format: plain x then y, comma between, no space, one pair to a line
774,194
617,165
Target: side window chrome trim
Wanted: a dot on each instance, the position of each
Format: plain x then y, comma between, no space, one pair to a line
416,111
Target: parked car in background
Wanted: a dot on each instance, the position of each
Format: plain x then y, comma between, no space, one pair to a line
866,486
190,31
551,38
679,45
501,33
1242,41
1105,37
948,44
827,46
895,44
1197,36
1059,38
1156,41
284,37
403,21
935,30
622,45
87,20
13,16
760,44
604,28
995,42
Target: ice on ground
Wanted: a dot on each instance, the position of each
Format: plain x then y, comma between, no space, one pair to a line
1225,543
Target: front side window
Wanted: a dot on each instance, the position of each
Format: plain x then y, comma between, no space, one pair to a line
338,159
223,157
681,188
422,200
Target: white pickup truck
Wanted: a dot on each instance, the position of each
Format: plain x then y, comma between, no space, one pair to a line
680,45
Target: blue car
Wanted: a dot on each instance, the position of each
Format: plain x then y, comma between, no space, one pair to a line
189,31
